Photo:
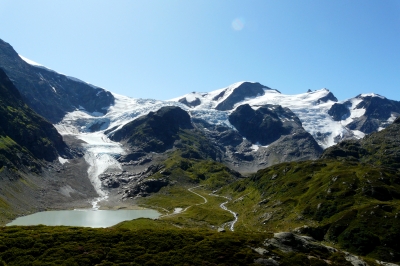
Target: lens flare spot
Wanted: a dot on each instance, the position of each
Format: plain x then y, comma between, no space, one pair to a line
238,24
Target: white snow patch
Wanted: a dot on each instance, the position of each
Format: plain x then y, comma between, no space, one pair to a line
392,118
54,89
62,160
31,62
255,147
358,134
191,97
372,95
177,210
354,112
67,190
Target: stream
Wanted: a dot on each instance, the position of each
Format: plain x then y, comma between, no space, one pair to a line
231,224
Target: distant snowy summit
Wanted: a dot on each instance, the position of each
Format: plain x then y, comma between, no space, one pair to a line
226,98
328,120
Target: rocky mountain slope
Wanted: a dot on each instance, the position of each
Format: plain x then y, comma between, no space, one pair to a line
49,93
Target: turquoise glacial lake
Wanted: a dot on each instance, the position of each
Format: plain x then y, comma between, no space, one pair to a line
85,218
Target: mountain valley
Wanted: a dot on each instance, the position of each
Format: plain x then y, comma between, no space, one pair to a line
245,158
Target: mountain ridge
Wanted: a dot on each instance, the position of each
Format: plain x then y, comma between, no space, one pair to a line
49,93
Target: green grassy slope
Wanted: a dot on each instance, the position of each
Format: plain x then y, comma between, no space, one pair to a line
354,205
350,197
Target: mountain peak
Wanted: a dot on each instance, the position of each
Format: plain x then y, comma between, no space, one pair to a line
238,92
370,95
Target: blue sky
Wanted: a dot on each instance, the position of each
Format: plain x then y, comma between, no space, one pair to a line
166,48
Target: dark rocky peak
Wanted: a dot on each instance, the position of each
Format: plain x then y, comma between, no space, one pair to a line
397,121
284,114
241,92
378,107
328,97
220,95
155,131
379,113
340,111
264,125
191,102
49,93
272,135
174,116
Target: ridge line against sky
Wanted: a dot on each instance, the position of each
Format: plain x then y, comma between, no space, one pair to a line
165,49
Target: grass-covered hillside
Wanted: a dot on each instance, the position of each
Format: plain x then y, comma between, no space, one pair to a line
351,199
353,205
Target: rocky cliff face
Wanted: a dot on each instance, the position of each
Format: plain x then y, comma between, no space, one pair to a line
340,111
265,124
49,93
376,111
278,133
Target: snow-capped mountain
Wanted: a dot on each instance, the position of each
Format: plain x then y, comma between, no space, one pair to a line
248,126
301,121
326,119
